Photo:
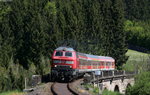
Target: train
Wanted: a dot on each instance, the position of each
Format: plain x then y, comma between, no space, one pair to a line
68,64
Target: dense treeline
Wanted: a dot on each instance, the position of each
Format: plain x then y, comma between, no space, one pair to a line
137,26
23,41
31,29
138,33
137,9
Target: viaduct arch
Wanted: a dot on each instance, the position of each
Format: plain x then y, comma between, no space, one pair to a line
116,89
118,85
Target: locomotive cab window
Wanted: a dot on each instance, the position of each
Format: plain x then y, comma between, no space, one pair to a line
59,53
68,54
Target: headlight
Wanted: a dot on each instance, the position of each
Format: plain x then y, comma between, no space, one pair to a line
69,62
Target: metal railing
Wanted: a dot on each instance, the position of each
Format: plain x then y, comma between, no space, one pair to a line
108,75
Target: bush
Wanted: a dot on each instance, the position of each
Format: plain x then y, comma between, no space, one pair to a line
106,92
142,85
44,66
14,92
12,77
5,82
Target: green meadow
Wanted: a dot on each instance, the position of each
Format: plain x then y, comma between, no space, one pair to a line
136,61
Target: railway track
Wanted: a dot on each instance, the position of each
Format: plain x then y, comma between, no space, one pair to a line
64,88
57,88
61,89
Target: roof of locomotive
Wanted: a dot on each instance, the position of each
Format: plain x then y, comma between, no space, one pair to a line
65,48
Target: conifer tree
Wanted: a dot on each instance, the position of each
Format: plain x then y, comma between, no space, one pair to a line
107,28
6,36
60,22
119,37
17,22
49,13
36,33
30,28
115,38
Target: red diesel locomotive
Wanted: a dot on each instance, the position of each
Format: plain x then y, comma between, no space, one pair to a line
67,63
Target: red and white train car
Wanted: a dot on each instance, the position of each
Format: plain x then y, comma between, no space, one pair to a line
67,63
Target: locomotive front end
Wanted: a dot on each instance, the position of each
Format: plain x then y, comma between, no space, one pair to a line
63,63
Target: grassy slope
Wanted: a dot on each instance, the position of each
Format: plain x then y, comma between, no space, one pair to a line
12,93
136,60
135,55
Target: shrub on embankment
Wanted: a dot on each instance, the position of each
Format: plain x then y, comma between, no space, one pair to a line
142,85
106,92
13,76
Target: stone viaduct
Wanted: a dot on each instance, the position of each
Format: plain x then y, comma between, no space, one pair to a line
119,85
114,80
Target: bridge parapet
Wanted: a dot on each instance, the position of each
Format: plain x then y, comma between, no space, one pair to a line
113,80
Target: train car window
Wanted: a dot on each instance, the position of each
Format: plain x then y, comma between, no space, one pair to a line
68,54
93,63
81,61
108,63
112,64
102,63
59,53
77,55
